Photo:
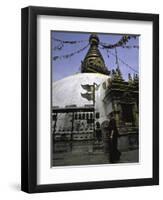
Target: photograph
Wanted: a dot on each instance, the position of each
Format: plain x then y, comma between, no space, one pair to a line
90,99
94,98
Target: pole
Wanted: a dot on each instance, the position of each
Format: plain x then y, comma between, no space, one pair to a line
94,107
116,53
72,129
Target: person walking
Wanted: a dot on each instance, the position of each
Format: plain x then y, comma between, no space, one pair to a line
98,132
114,153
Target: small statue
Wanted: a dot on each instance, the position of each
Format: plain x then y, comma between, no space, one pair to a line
130,81
113,73
136,78
118,73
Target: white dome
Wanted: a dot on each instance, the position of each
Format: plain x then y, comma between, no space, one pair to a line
68,90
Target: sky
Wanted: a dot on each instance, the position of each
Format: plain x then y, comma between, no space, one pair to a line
62,68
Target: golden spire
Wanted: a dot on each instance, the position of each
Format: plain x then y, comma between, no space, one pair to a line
93,61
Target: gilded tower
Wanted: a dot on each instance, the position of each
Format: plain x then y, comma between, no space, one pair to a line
93,61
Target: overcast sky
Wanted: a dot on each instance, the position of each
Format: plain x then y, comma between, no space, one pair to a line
66,67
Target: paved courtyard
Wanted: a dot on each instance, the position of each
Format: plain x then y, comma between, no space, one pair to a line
88,153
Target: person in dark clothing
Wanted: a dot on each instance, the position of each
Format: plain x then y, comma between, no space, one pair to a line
114,153
98,132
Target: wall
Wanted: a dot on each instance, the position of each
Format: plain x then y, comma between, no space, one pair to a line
10,100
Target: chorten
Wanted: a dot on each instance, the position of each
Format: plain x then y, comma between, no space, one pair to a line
93,61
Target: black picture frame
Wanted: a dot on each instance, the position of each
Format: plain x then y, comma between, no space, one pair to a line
29,99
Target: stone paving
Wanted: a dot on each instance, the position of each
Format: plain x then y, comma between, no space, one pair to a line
86,153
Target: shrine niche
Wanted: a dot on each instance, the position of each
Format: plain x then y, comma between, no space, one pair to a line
123,97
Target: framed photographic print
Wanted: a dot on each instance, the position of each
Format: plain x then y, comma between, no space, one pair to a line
90,99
